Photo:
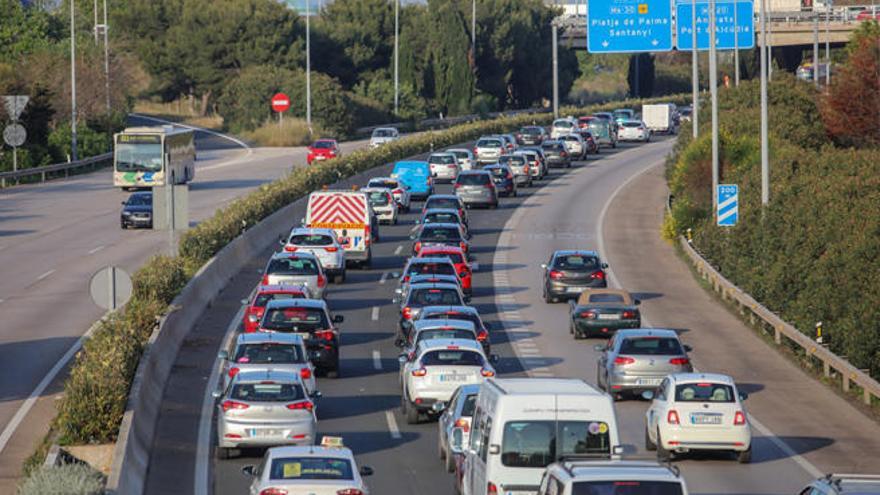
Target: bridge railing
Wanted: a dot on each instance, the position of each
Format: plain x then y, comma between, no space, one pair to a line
48,171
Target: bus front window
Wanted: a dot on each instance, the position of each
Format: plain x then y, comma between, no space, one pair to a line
140,157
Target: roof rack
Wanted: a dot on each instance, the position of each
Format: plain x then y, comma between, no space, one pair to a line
568,460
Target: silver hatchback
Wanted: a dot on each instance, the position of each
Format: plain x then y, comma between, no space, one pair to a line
261,351
638,359
296,268
475,188
489,149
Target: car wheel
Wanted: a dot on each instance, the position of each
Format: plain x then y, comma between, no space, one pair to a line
614,145
123,226
514,193
745,456
663,455
221,453
649,445
412,415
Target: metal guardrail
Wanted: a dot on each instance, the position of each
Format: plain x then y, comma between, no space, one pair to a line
758,314
65,167
435,123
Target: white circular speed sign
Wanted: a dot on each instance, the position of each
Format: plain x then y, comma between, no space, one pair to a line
14,135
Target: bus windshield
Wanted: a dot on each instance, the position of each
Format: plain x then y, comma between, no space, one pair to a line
140,157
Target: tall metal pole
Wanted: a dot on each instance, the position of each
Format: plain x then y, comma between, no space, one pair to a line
695,73
396,50
713,88
816,49
765,151
474,29
95,25
769,48
735,45
555,71
106,59
308,69
73,150
828,44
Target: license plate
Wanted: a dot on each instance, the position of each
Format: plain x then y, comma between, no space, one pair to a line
649,381
575,289
497,181
609,317
519,492
453,378
705,419
320,158
265,432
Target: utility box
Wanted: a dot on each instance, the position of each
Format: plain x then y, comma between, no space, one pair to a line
171,206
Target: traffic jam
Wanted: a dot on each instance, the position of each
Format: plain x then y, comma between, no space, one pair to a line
513,435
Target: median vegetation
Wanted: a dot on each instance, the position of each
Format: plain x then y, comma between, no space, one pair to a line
812,255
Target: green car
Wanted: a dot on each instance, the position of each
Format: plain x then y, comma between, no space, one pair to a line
601,312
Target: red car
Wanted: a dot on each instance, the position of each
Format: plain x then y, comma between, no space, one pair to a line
867,15
265,293
458,258
323,149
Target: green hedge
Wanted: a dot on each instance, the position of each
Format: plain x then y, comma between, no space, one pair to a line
97,389
813,254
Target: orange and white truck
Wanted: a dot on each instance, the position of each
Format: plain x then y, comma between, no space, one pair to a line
349,214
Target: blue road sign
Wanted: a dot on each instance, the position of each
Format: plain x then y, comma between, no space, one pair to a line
725,30
623,26
728,205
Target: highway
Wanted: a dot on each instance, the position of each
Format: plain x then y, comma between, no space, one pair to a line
54,236
612,203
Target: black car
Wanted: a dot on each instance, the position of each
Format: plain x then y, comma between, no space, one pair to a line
556,154
137,210
531,135
310,318
569,272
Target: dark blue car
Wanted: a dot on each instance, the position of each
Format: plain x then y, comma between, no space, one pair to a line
137,210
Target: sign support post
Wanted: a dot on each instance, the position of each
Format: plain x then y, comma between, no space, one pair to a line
713,88
695,73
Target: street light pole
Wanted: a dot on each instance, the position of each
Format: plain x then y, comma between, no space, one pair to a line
106,59
713,88
95,25
73,151
555,71
474,29
735,45
816,49
765,152
396,57
828,44
695,73
308,69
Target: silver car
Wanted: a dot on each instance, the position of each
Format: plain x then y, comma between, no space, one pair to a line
383,135
520,168
464,156
457,414
296,268
439,329
476,188
322,243
264,409
489,149
444,166
575,145
269,350
636,360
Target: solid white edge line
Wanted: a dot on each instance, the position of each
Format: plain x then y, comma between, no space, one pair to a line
41,277
201,479
95,250
392,425
375,315
195,128
377,360
766,432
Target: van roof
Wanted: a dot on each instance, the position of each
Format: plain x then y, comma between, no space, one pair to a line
544,386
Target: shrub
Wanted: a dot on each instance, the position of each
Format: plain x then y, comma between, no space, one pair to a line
89,142
68,479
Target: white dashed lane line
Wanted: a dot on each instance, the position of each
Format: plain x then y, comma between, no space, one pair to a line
375,313
392,425
377,360
397,250
41,277
95,250
383,278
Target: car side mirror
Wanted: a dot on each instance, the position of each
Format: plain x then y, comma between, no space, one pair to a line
259,271
216,394
638,302
224,355
599,348
648,395
366,471
398,291
412,237
418,222
244,302
604,265
248,471
438,407
123,203
543,266
395,300
494,358
687,348
743,396
316,394
402,359
338,319
281,242
467,299
302,221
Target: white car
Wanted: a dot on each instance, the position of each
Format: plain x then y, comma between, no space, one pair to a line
444,166
697,411
563,126
435,370
489,149
269,350
383,135
383,204
313,470
633,130
399,190
464,156
324,245
575,477
574,144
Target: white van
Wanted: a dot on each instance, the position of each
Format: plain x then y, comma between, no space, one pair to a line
522,425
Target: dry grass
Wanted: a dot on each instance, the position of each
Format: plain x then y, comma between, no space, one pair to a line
602,87
179,111
293,132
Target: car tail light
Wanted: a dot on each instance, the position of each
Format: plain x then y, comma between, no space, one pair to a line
290,249
322,280
462,423
491,489
265,280
563,154
305,373
628,315
476,151
233,371
462,245
739,418
623,360
231,435
350,491
325,334
418,246
590,315
231,404
599,275
679,361
331,249
303,405
487,373
672,417
456,186
419,372
406,278
407,313
556,274
273,491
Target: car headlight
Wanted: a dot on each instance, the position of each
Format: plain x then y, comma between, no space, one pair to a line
126,213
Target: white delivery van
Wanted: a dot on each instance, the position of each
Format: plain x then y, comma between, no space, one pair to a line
660,117
347,213
522,425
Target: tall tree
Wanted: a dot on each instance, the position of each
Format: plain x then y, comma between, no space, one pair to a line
450,45
363,30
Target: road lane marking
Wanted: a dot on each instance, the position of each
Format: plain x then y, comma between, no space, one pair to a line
375,313
377,360
392,425
383,278
95,250
786,449
397,250
41,277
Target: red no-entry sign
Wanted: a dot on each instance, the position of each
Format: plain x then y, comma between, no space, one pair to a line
280,102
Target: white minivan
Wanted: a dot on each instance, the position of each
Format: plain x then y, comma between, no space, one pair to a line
522,425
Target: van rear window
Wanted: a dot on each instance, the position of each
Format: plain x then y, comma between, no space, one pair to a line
536,444
626,487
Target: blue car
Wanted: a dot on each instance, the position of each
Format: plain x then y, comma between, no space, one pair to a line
416,175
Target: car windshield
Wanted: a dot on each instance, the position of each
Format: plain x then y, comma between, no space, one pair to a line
497,171
140,200
473,179
531,131
139,157
536,444
632,124
292,266
387,183
440,234
456,258
311,468
626,487
263,298
441,203
441,217
267,392
310,240
439,333
323,145
651,346
570,137
430,268
456,315
576,262
378,198
435,297
606,298
556,146
452,357
563,124
266,353
704,392
489,143
384,133
470,404
296,319
411,169
516,160
442,159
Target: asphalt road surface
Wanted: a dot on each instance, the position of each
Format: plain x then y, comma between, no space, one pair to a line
612,203
54,236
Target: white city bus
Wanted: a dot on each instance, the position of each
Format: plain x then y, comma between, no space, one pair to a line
149,156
